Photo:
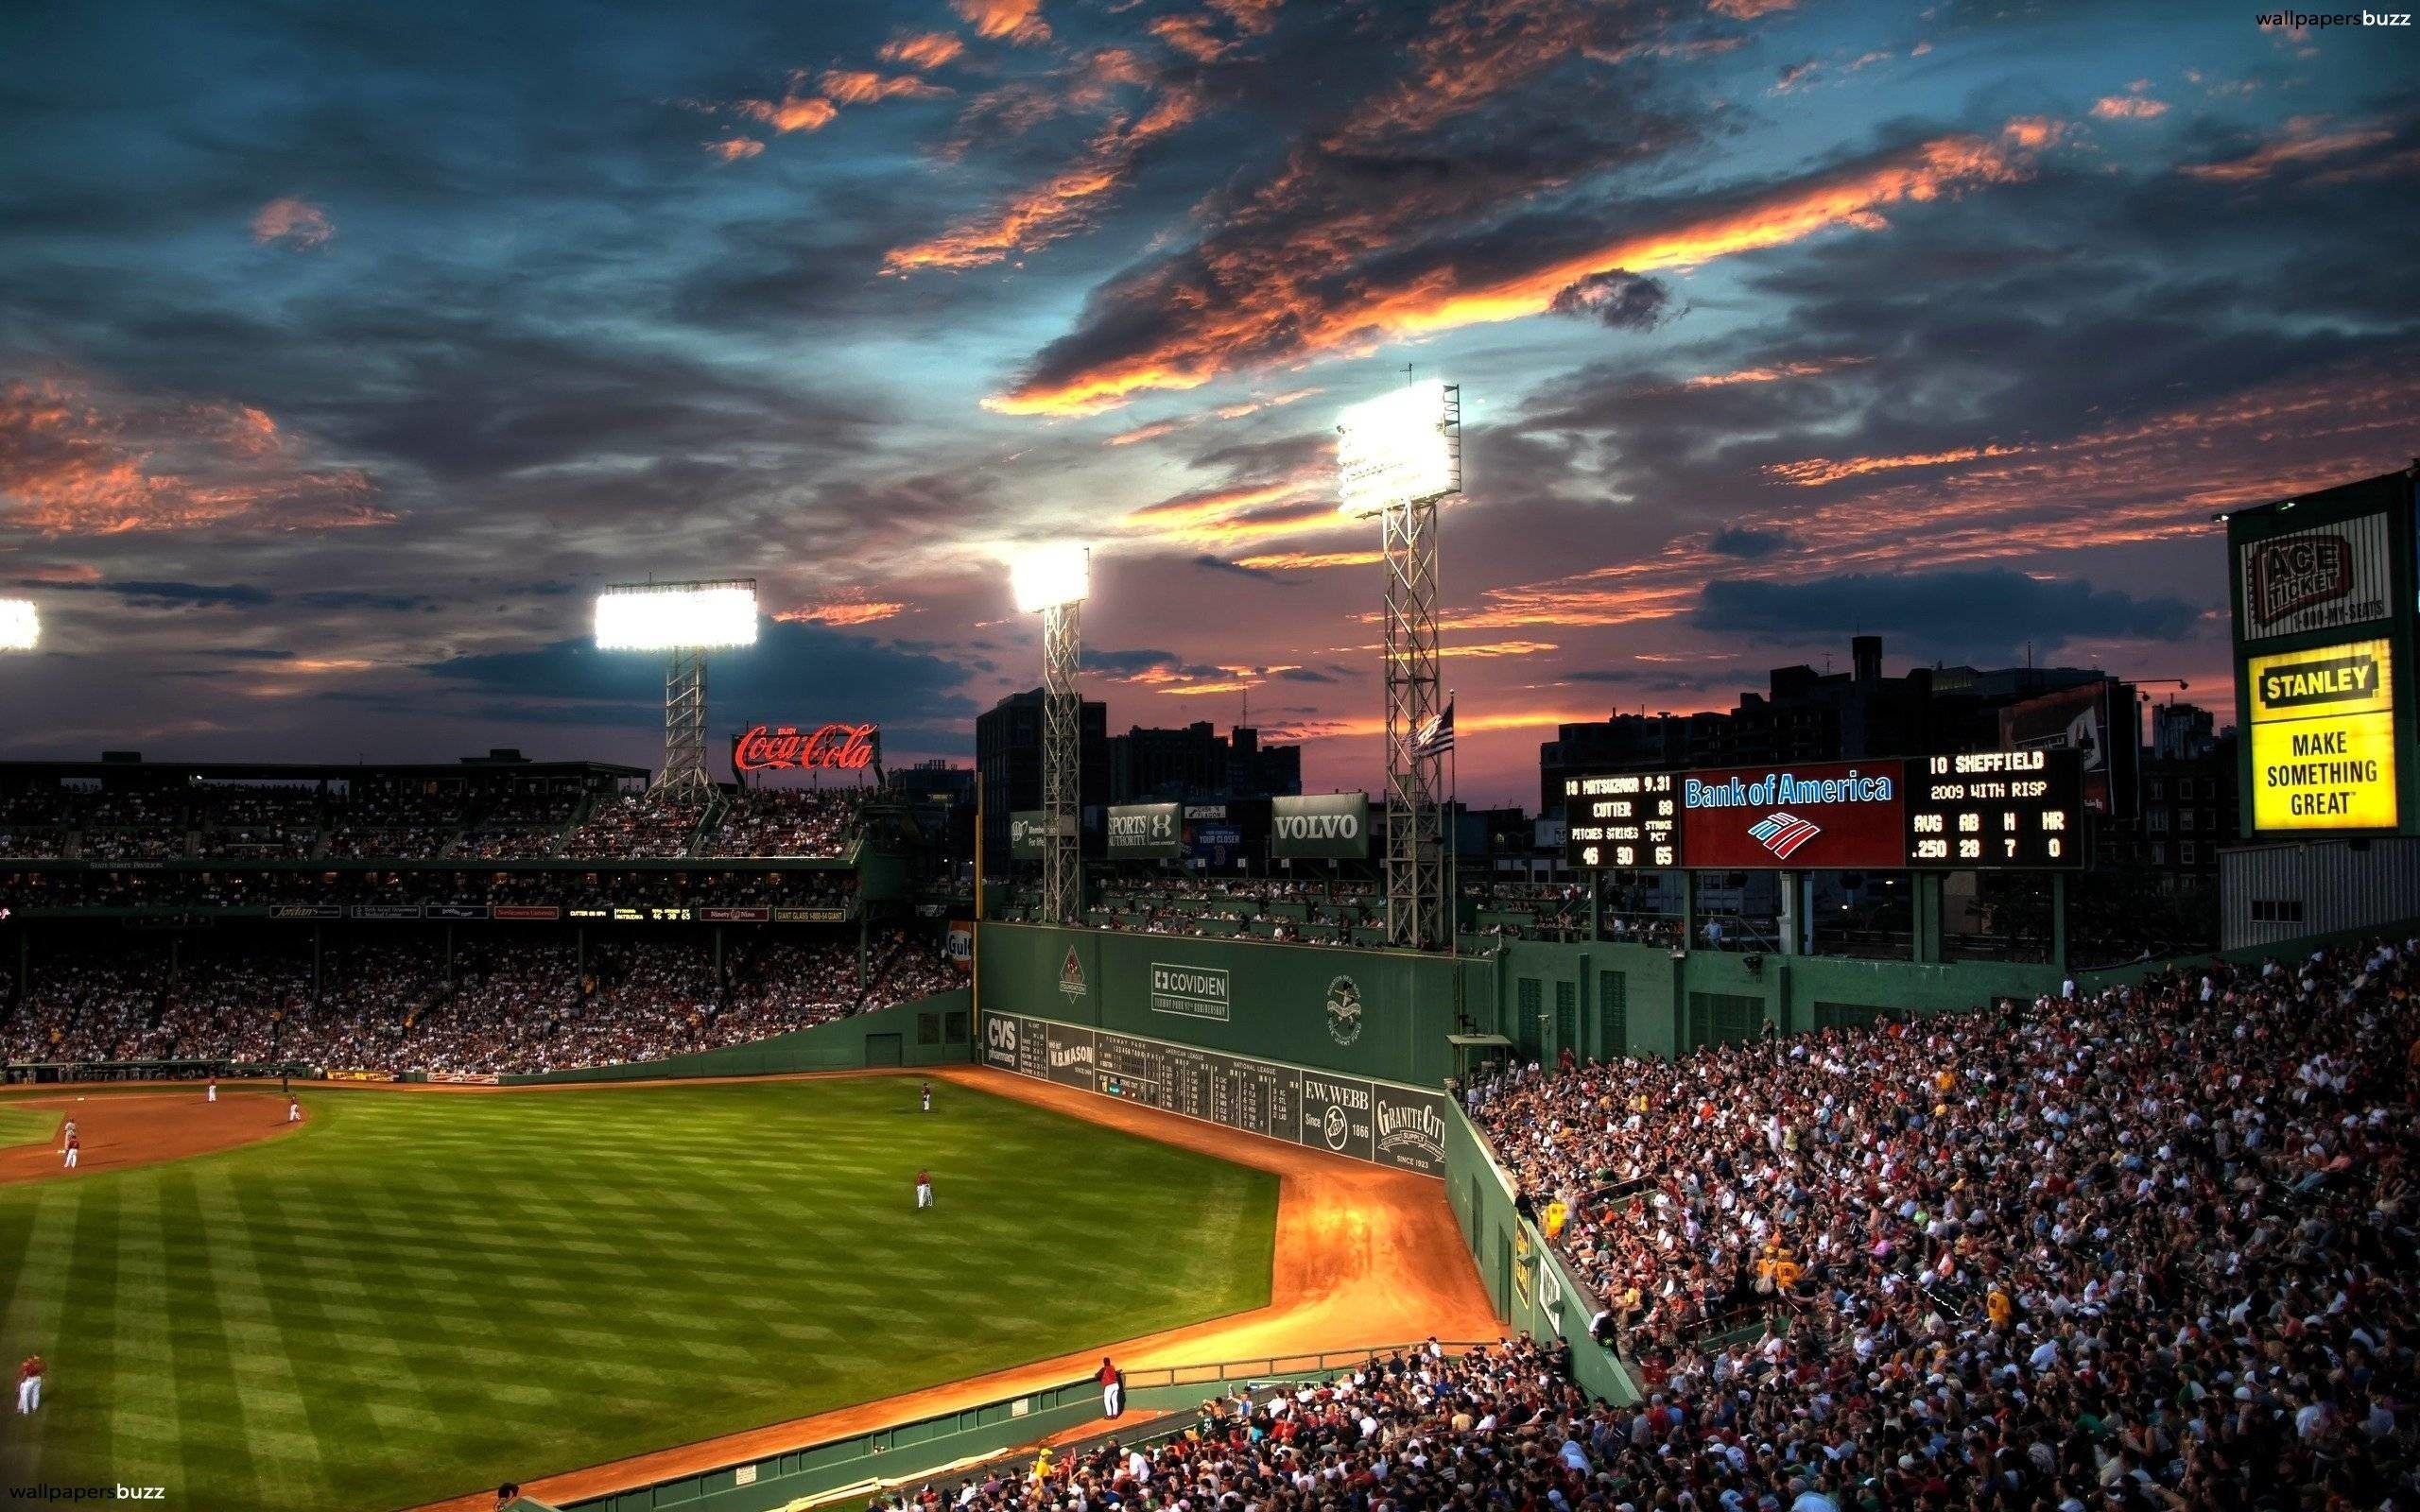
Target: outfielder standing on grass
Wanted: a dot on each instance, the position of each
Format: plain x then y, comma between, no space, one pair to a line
929,1097
924,1189
29,1385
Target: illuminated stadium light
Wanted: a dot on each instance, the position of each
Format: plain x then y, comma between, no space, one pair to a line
20,625
676,616
1043,577
1403,447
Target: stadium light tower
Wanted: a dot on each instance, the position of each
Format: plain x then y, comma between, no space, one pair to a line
1053,581
20,625
1396,456
686,620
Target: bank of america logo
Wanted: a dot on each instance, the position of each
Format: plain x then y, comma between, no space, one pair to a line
1781,833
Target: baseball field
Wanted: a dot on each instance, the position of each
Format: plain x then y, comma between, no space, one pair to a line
416,1295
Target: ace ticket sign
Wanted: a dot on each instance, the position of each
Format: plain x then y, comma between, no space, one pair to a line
2323,739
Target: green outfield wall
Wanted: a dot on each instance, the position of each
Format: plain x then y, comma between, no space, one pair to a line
928,1032
1379,1014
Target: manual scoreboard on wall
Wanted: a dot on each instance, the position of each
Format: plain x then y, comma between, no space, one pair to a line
1994,810
1624,820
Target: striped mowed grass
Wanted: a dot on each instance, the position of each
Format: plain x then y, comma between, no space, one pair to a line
418,1296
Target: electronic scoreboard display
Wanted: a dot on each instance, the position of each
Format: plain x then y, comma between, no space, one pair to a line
1623,820
1996,810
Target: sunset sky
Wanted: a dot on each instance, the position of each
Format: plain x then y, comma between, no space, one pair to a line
346,350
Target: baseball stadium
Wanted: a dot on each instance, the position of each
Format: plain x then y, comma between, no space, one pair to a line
577,935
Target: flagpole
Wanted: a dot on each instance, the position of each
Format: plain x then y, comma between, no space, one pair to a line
1454,882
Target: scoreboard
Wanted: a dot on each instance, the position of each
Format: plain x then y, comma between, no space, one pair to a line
1992,810
1996,810
1625,820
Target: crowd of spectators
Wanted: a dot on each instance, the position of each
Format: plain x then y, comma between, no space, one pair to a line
1421,1431
291,822
570,888
2146,1248
395,1002
636,827
783,821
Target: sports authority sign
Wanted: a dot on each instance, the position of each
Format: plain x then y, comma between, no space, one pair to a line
1324,826
1376,1120
1140,830
802,749
1816,816
2324,578
1190,991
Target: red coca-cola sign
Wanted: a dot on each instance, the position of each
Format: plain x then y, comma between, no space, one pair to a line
791,749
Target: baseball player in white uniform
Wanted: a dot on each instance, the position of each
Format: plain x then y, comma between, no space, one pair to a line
924,1189
214,1088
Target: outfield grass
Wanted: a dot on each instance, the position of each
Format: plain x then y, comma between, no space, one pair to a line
418,1296
26,1125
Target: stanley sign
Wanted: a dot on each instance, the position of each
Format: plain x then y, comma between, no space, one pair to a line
2323,739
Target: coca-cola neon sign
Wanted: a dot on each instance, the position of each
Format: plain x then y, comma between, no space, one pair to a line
791,749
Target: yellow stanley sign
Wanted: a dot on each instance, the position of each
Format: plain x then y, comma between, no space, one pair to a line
2323,739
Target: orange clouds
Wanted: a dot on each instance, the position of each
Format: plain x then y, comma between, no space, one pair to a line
2306,141
295,225
1057,207
1815,471
861,86
2129,108
75,462
922,50
842,612
1307,561
1773,374
1014,21
736,149
1261,304
1748,10
1235,411
792,112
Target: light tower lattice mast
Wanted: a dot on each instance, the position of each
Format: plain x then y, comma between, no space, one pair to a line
1063,860
685,727
1397,457
1053,581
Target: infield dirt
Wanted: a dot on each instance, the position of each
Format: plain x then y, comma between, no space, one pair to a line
120,1129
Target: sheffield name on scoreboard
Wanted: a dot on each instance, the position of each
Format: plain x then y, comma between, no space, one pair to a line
1978,811
1994,810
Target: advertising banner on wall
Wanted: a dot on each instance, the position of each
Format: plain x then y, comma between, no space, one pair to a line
1380,1121
1028,829
531,912
741,914
1190,991
1321,826
2325,578
2323,739
1806,816
1139,832
2086,720
827,747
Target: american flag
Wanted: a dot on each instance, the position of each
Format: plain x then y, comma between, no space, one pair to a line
1435,736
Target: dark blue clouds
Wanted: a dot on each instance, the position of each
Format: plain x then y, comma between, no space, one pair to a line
1990,613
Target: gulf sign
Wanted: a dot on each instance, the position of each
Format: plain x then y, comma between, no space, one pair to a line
1818,817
